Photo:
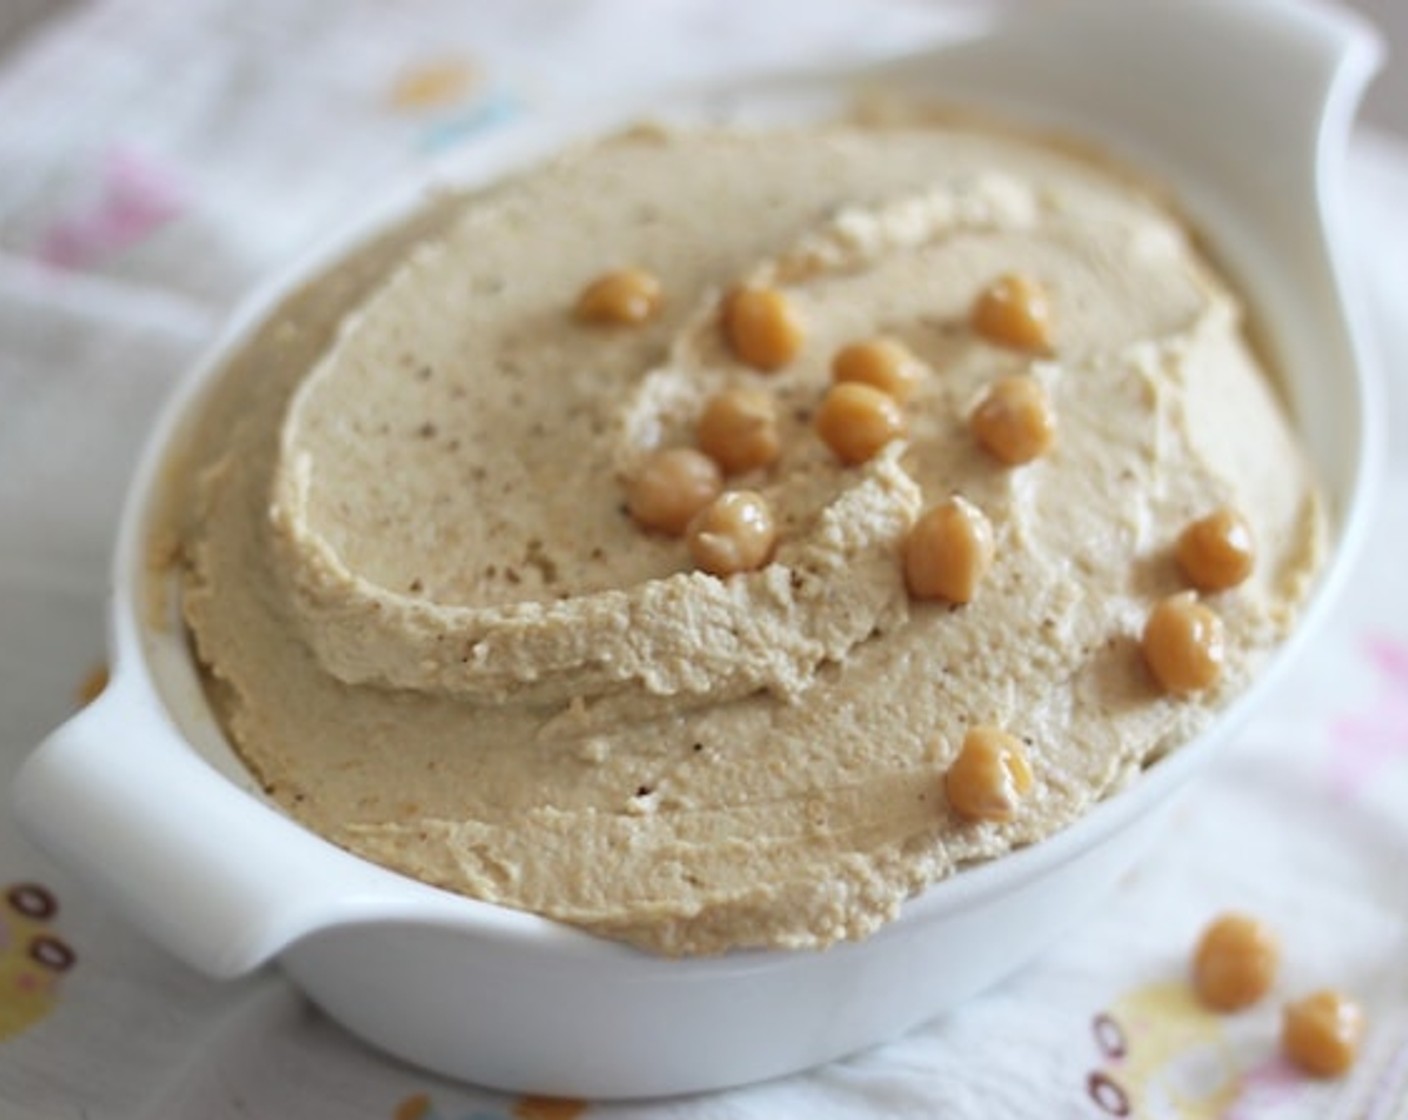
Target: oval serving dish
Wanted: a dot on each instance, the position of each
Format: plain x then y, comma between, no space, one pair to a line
142,796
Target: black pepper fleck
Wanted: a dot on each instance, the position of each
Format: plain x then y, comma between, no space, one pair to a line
535,557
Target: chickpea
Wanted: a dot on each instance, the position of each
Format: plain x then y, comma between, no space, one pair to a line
1321,1033
1216,552
947,552
857,420
733,533
625,297
671,487
1014,311
1015,421
1235,962
1184,645
882,362
990,777
763,327
738,430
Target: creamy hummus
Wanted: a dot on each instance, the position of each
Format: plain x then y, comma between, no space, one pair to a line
438,639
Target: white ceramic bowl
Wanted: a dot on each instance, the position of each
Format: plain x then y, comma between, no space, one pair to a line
1244,110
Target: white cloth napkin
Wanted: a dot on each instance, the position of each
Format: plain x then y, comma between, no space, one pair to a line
157,159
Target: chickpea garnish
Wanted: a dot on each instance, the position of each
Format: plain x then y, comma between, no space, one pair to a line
1321,1033
947,551
857,420
1014,311
625,297
671,487
881,362
990,777
738,430
1015,421
1216,552
1235,962
1183,644
763,327
733,533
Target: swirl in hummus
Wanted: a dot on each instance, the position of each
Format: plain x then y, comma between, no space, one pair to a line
437,637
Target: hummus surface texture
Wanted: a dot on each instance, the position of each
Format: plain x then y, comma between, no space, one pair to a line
437,638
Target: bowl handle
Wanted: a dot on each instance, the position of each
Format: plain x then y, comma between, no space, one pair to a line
222,882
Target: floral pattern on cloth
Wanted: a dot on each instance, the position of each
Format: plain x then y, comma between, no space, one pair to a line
434,83
1375,739
452,99
1164,1056
33,957
135,197
421,1107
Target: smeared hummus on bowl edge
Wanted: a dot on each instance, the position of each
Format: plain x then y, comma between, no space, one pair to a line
436,634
